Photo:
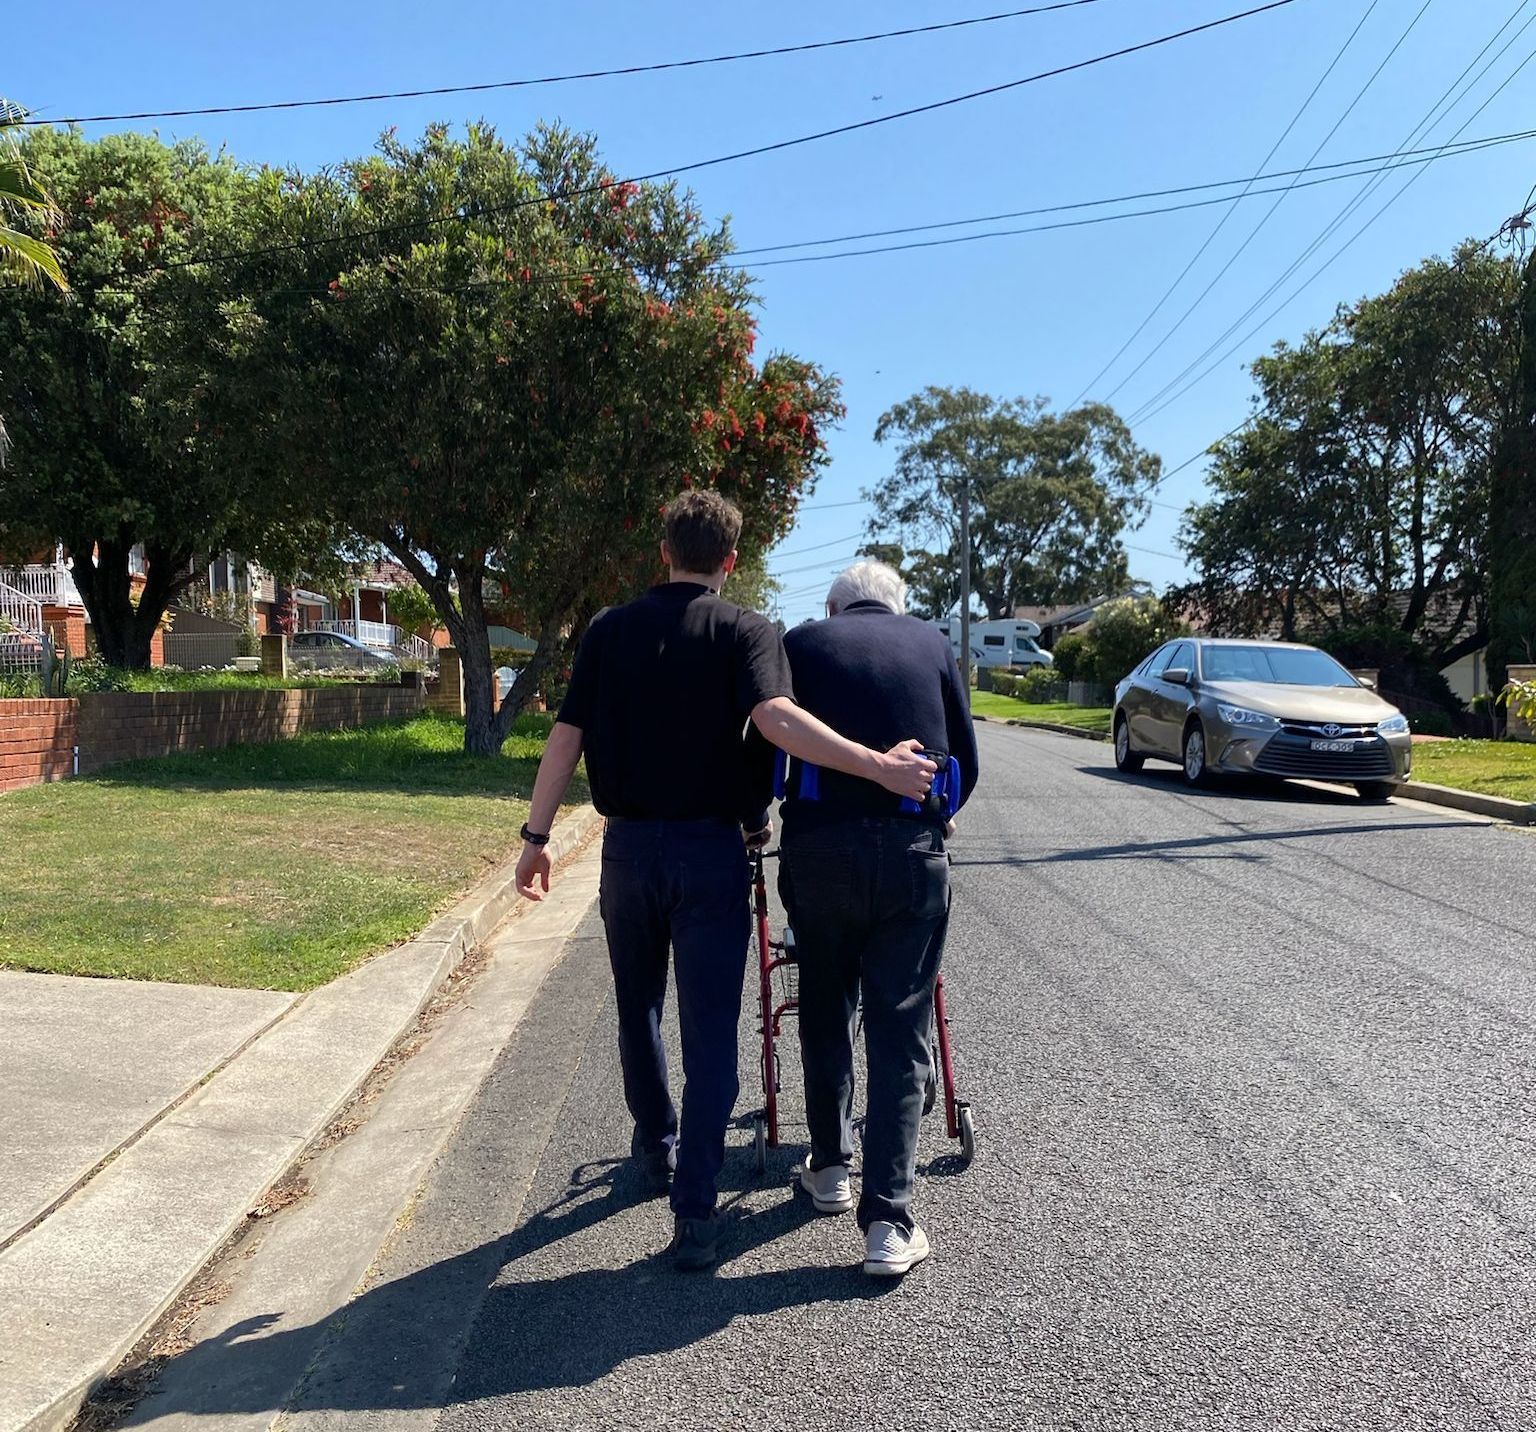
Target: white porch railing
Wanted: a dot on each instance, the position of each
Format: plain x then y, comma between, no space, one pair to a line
413,648
20,611
380,634
47,583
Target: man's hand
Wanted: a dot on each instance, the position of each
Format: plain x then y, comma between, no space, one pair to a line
533,868
906,771
758,839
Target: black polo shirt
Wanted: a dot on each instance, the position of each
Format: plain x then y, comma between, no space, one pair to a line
877,678
662,690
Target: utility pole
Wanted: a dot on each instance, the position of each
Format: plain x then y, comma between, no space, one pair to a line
965,585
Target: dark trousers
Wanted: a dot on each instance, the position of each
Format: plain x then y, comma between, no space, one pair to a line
682,884
868,901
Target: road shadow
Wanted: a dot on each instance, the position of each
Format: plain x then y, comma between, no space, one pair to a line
1254,790
475,1325
1229,844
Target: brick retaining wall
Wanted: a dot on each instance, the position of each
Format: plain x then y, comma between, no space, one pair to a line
37,738
37,741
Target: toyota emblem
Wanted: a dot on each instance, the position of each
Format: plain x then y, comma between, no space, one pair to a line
1331,729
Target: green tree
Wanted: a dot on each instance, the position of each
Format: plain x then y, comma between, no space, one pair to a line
1360,493
1512,540
412,609
1050,495
1121,633
110,448
506,381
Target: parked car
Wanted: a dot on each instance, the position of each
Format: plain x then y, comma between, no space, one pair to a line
1259,708
505,676
333,651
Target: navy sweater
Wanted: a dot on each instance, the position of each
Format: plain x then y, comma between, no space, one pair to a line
876,678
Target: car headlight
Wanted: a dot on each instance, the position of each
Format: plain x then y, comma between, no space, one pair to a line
1241,716
1394,725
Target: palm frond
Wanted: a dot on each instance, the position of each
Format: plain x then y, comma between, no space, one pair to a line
17,187
29,261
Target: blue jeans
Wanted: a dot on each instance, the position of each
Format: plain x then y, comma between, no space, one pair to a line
868,900
682,884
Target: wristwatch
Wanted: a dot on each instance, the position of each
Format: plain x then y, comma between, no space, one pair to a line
532,836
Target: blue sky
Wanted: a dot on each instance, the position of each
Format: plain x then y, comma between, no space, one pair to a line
1025,315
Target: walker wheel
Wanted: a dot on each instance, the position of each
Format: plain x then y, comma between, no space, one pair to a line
967,1133
760,1142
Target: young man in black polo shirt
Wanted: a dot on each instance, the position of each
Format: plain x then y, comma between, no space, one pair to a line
660,699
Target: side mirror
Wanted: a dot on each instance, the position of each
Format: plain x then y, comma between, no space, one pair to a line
1177,675
1369,682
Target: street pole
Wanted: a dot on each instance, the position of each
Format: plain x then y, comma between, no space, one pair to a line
965,585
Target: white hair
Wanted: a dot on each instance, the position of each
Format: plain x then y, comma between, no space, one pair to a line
868,581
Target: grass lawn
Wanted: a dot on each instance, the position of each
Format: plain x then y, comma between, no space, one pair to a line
276,866
1058,713
1492,768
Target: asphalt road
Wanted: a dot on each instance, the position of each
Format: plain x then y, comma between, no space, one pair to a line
1253,1077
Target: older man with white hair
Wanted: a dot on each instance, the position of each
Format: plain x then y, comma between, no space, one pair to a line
865,878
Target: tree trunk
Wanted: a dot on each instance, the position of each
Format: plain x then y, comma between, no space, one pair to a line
124,634
103,586
481,736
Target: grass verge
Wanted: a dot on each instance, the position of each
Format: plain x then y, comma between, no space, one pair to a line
275,867
1057,713
1491,768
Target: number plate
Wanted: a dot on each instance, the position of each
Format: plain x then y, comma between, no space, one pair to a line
1337,747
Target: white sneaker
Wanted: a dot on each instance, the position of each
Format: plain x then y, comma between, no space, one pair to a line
829,1188
889,1250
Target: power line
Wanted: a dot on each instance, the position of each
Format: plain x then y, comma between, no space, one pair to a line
1242,248
1332,258
476,211
1404,160
656,68
1098,219
1203,187
1166,395
835,542
1210,238
820,566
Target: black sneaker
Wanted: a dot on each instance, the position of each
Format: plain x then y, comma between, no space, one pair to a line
657,1175
693,1244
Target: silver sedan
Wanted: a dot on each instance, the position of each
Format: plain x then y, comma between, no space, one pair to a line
1259,708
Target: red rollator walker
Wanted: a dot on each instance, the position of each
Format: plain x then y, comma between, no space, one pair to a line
779,998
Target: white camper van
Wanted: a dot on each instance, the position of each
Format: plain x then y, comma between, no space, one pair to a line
999,644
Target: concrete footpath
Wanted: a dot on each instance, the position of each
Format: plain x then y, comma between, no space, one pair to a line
146,1122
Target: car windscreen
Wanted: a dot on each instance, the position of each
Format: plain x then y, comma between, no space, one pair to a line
1278,665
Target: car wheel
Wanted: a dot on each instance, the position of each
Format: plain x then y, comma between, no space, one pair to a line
1376,790
1125,758
1196,773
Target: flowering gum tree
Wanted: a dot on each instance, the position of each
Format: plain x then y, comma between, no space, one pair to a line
505,371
